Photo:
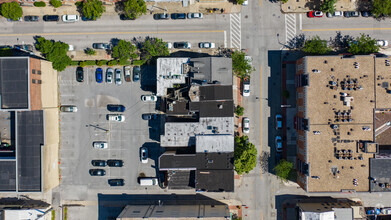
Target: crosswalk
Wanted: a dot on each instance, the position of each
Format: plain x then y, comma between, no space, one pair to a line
235,31
290,27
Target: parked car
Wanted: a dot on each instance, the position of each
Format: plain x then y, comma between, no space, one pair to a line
382,43
315,14
27,47
97,172
245,3
70,18
149,181
125,18
335,14
144,155
246,125
100,144
116,108
161,16
115,117
182,45
79,74
278,144
99,75
136,73
178,16
169,45
149,116
32,18
148,98
349,14
98,163
68,108
128,73
118,79
194,15
84,18
51,18
206,45
366,14
11,20
115,163
101,46
116,182
109,75
278,121
246,87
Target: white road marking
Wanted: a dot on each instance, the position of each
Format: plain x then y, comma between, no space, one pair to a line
301,21
235,31
290,27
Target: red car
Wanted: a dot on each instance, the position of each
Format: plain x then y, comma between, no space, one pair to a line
315,14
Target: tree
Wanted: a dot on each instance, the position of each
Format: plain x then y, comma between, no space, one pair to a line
90,51
11,10
134,8
316,46
39,4
241,65
55,52
284,170
239,2
245,155
363,45
239,110
56,3
124,50
92,9
381,8
328,6
152,48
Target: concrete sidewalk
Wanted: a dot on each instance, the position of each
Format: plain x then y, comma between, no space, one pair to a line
303,6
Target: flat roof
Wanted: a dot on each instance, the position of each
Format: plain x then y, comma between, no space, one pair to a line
181,179
215,92
213,108
8,175
170,71
215,180
212,70
380,170
214,143
14,84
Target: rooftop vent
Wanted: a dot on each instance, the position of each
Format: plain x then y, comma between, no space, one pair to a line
316,71
220,106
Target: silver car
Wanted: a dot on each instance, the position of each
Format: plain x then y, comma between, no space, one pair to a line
118,79
109,75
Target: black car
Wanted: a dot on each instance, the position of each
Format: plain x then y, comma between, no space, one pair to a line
97,172
116,182
349,14
84,18
178,16
125,18
115,163
182,45
149,116
366,14
32,18
98,163
102,46
116,108
136,73
161,16
79,74
51,18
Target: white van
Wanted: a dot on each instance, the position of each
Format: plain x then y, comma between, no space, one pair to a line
70,18
149,181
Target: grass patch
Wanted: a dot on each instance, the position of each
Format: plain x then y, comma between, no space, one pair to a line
75,63
65,213
53,214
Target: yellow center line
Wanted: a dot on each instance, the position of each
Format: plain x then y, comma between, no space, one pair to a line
261,99
260,3
348,29
113,33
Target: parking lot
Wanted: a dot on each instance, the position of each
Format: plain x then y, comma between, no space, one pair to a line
80,129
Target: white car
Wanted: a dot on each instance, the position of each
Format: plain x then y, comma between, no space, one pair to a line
335,14
382,43
100,145
245,3
144,155
109,75
169,45
194,15
246,88
70,18
246,125
149,98
68,108
206,45
118,79
115,117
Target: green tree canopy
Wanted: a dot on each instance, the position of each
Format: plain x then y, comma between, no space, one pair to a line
316,46
284,170
239,2
124,50
56,3
239,110
11,10
241,66
381,8
134,8
245,155
152,48
90,51
55,52
92,9
363,45
328,6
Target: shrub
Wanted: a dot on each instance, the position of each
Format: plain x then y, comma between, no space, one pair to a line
101,62
90,62
56,3
90,51
112,63
138,62
239,110
82,63
39,4
74,63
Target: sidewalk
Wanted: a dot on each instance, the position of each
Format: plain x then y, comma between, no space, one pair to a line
303,6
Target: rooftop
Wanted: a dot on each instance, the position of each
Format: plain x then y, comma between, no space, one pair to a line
215,180
212,70
213,108
214,143
380,170
170,71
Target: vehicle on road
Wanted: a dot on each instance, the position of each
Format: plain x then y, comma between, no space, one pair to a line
97,172
99,75
278,121
115,163
144,155
31,18
84,18
79,74
149,116
161,16
149,181
100,145
70,18
118,79
115,117
278,144
315,14
194,15
206,45
101,46
382,43
245,3
128,73
51,18
335,14
366,14
109,75
182,45
178,16
98,163
136,73
68,108
116,182
148,98
246,87
246,125
115,108
349,14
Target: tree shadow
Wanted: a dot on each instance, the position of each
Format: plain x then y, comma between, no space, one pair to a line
313,5
341,42
296,43
364,5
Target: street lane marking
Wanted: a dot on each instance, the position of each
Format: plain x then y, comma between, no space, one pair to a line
260,1
290,27
347,29
235,31
124,32
260,96
301,21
